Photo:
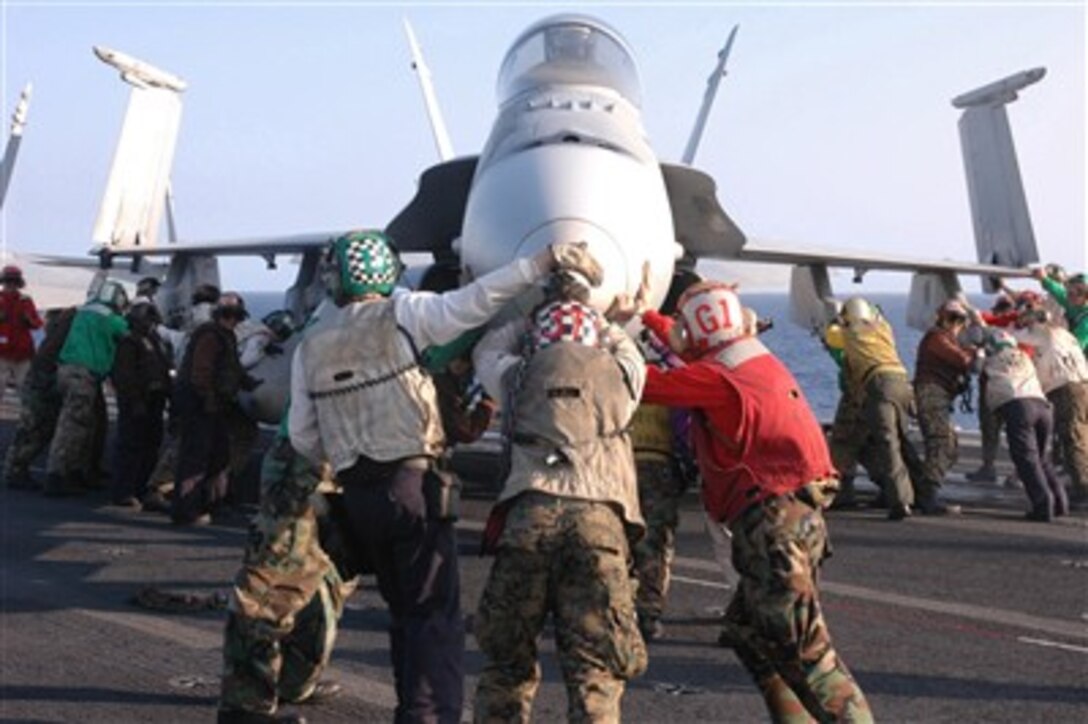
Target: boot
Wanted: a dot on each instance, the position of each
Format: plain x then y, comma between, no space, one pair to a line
20,479
325,690
59,486
985,474
899,511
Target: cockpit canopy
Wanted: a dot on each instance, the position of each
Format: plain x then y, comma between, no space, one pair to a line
569,50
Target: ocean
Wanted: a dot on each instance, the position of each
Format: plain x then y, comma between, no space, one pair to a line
798,348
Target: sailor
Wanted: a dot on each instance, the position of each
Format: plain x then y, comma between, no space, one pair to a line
141,383
287,598
361,401
1063,375
767,474
877,380
84,362
560,528
18,318
941,374
208,383
1072,296
1015,395
40,402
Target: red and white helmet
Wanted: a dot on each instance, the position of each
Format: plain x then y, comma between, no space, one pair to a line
710,314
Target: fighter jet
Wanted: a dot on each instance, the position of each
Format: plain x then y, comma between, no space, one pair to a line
568,159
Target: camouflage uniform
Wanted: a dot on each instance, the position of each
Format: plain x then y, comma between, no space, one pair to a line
38,414
777,626
938,434
570,491
84,361
287,598
567,557
74,439
660,489
40,402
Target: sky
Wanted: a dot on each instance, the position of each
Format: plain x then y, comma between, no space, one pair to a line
833,128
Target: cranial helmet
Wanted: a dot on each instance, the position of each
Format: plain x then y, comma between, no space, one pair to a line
710,315
205,294
1077,284
998,340
230,306
148,286
953,310
112,294
362,262
12,274
281,322
1028,300
143,314
565,321
858,309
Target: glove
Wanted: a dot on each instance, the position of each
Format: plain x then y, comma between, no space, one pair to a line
575,256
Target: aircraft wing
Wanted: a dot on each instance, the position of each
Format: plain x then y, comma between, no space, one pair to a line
774,253
705,230
255,246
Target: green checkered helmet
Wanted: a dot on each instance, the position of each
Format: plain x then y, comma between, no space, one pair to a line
363,262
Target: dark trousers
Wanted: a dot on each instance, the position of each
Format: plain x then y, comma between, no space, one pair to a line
415,559
1029,424
136,447
200,478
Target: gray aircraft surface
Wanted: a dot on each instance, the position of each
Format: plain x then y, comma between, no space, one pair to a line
567,157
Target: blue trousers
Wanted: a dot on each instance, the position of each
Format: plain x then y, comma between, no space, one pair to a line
415,559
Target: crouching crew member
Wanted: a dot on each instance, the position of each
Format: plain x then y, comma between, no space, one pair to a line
287,598
767,474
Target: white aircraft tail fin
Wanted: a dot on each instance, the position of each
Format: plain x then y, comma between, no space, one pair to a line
11,151
999,208
135,197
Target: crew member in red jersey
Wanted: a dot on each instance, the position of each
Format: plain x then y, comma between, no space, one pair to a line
767,475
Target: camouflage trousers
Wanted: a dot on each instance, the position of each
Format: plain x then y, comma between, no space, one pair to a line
72,452
659,492
40,408
1071,428
568,558
851,443
283,616
774,618
938,435
848,442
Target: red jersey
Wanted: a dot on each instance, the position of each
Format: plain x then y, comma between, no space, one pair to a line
755,435
18,317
